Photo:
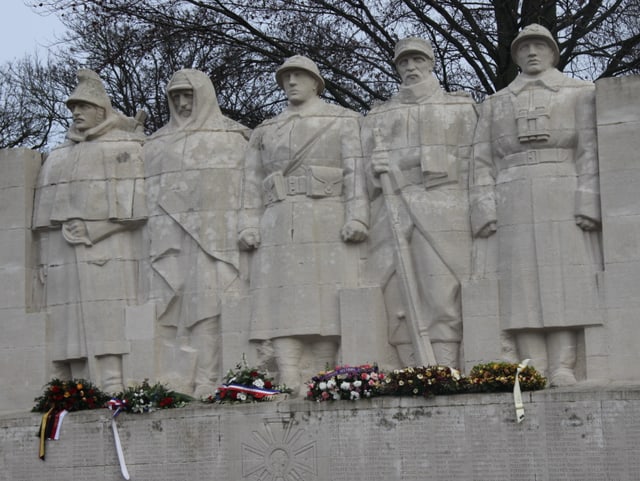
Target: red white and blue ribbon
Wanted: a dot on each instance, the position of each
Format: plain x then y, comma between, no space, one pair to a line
256,392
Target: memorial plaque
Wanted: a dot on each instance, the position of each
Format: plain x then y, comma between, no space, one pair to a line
576,447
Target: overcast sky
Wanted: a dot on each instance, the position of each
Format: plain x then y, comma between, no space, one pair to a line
22,31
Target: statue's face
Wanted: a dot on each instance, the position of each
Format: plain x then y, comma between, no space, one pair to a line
299,85
85,115
414,68
182,102
534,56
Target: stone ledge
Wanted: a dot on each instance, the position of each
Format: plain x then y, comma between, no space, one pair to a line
578,433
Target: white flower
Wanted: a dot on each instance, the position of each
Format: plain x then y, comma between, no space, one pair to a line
357,383
258,383
345,386
355,395
242,396
323,386
455,374
336,396
331,383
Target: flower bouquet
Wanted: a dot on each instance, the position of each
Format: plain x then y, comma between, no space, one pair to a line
145,398
246,384
500,377
72,395
424,381
346,382
60,398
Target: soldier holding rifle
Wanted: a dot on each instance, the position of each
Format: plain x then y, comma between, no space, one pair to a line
418,144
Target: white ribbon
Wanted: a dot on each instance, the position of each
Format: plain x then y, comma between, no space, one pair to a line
123,465
517,395
116,403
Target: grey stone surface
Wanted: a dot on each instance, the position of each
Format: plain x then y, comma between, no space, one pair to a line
306,252
88,209
193,173
22,342
566,435
534,184
417,146
618,107
304,208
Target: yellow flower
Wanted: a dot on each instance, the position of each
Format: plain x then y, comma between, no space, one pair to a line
67,394
79,386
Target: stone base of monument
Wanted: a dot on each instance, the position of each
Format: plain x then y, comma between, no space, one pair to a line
578,434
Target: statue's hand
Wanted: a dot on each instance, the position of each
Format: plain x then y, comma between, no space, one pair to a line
75,232
354,231
488,230
380,163
587,224
249,239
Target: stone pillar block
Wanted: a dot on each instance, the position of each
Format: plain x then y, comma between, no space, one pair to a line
618,111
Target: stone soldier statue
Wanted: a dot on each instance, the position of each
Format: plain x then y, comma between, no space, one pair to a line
534,185
304,200
421,140
89,204
193,167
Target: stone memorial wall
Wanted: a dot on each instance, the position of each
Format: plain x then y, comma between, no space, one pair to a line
585,435
430,231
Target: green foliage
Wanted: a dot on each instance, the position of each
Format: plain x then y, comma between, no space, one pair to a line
501,376
246,384
346,382
422,381
146,398
72,395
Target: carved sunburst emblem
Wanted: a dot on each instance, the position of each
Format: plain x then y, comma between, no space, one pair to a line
279,453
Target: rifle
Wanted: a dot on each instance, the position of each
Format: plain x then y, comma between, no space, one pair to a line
416,318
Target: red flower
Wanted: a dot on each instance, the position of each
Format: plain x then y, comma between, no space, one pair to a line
268,385
254,373
166,402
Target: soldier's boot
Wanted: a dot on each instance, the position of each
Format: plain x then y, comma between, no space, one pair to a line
288,352
447,353
110,371
533,345
206,343
561,346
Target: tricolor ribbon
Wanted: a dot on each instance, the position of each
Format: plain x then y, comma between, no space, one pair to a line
57,424
517,394
50,428
116,405
256,392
